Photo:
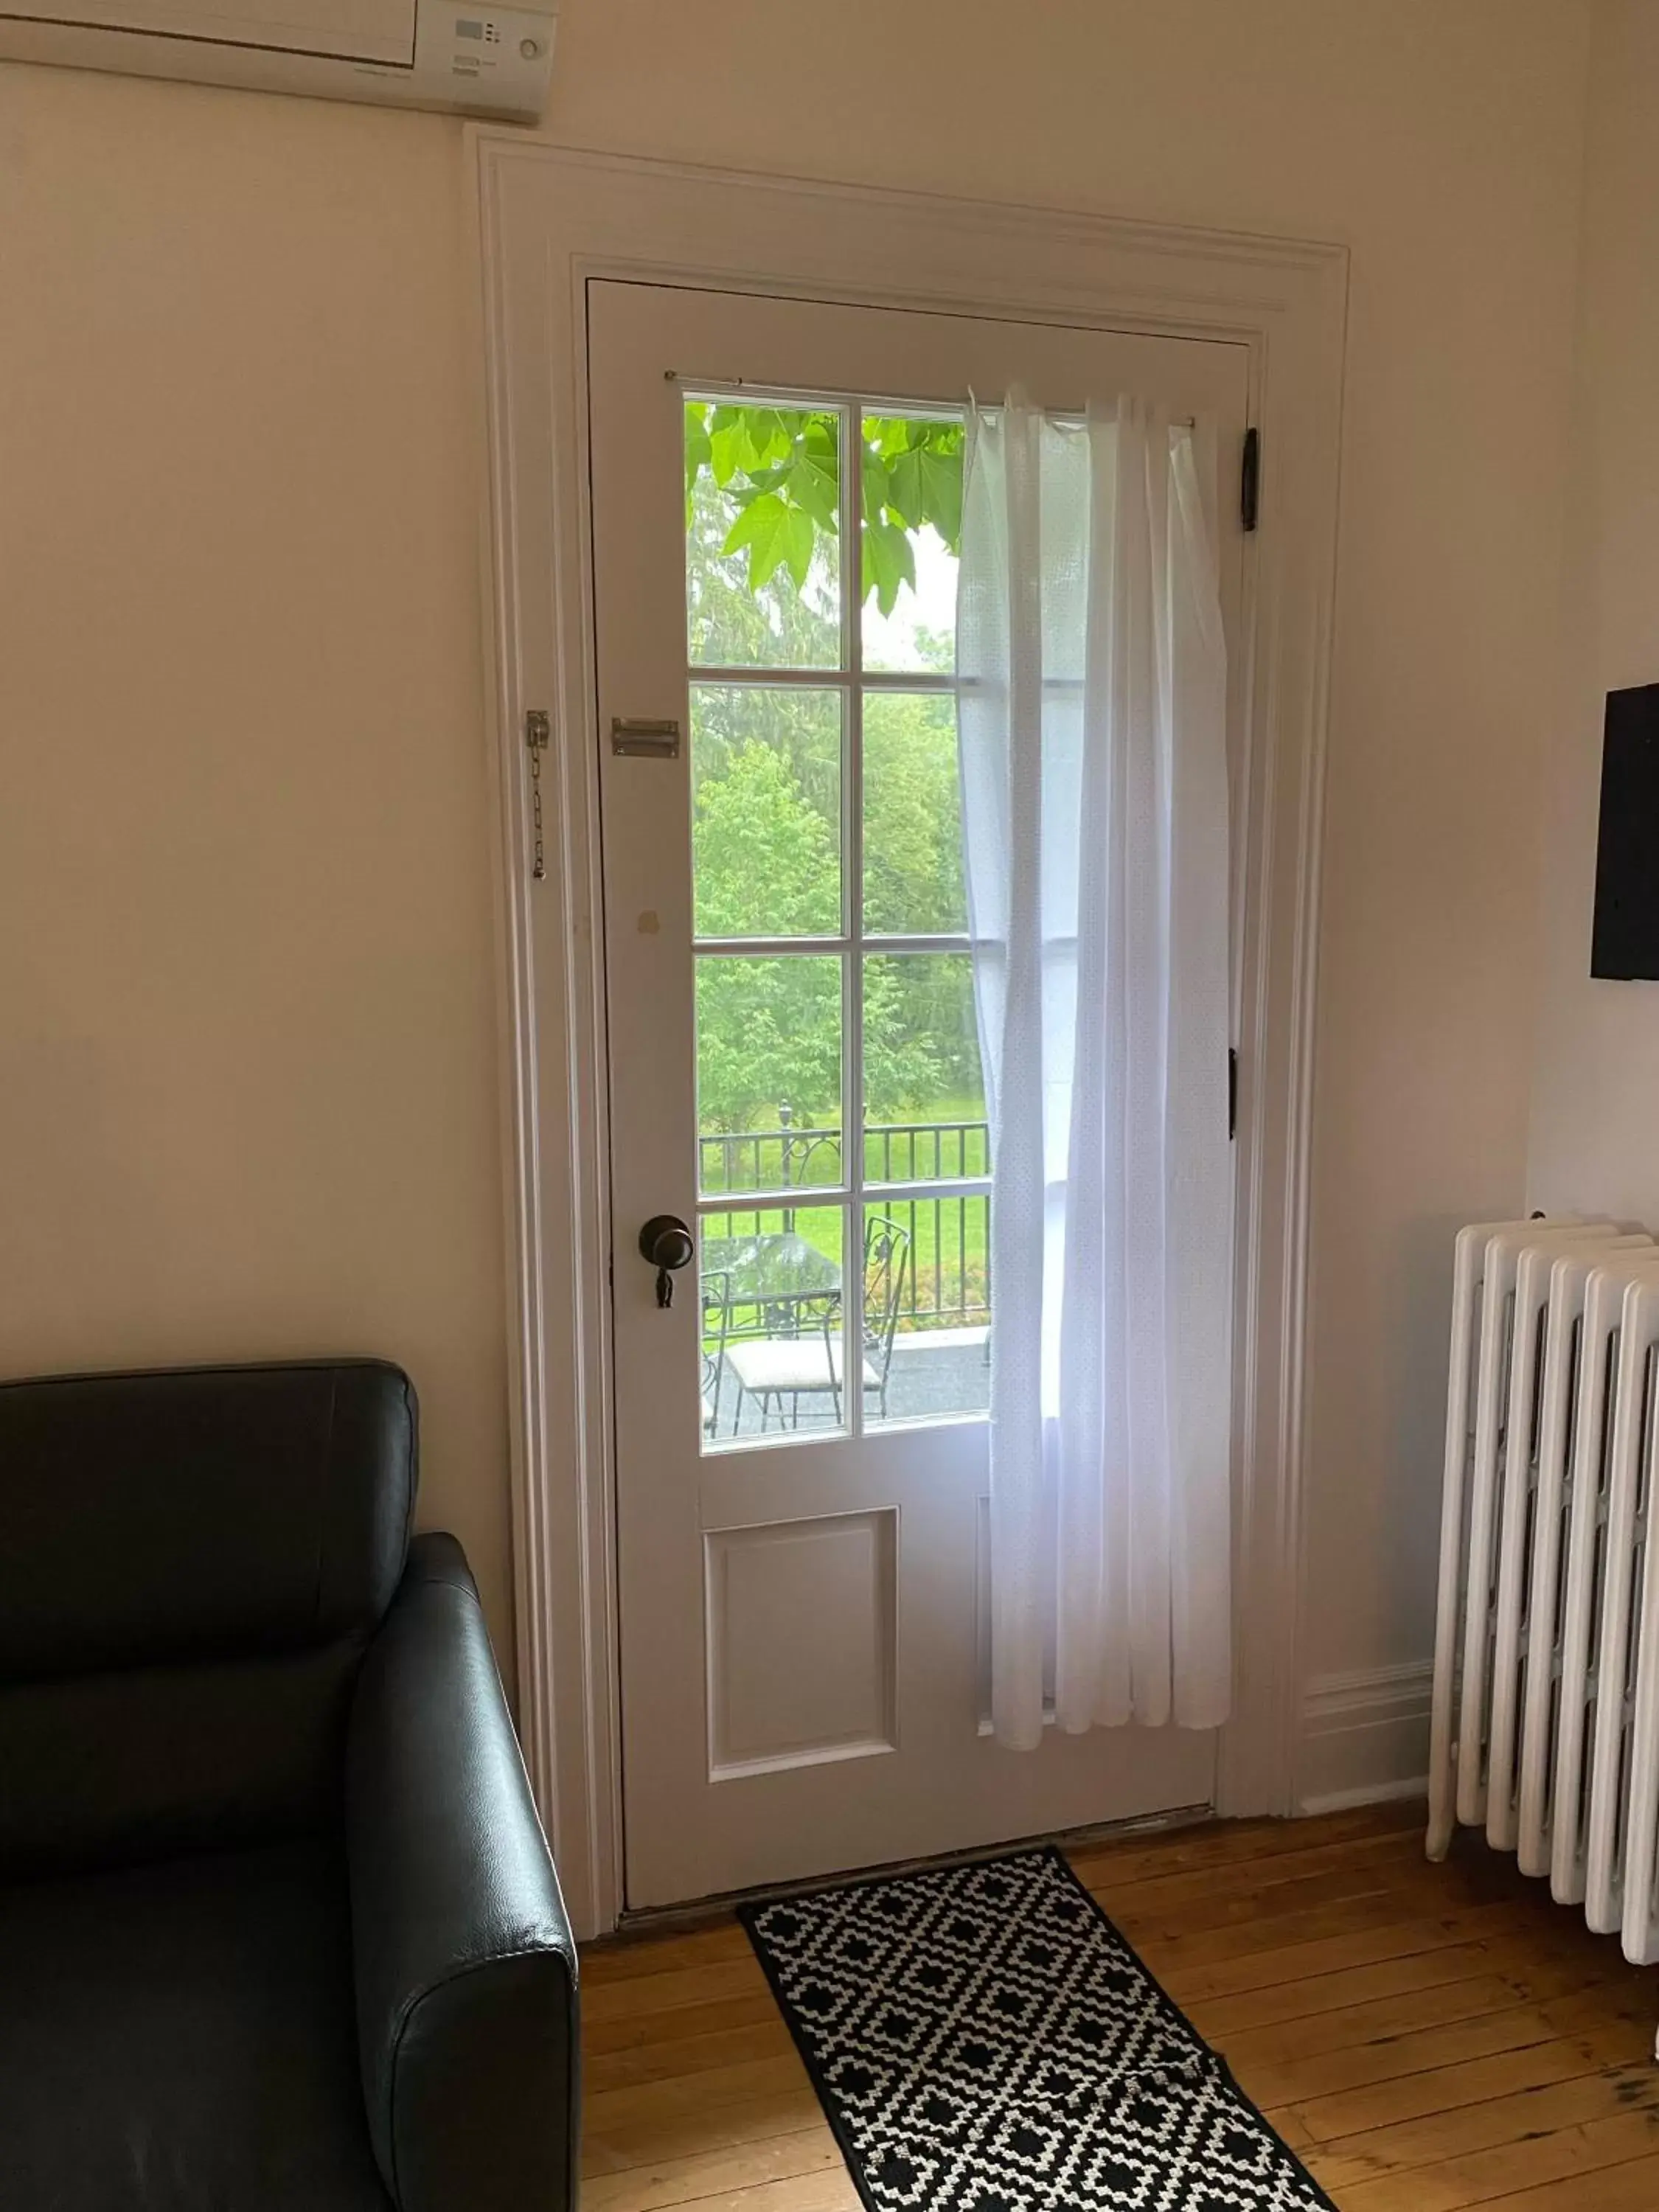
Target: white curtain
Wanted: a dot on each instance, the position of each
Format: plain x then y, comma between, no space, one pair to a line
1091,671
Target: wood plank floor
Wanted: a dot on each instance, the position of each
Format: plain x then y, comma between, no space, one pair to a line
1427,2038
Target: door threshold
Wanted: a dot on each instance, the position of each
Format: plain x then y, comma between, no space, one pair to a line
703,1911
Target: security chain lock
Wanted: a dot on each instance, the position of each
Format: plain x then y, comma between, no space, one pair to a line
536,734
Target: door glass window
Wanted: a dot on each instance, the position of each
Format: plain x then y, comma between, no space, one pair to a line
773,1329
913,879
762,567
766,805
849,1286
768,1072
912,522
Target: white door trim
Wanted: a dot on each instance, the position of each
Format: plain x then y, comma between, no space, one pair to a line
551,219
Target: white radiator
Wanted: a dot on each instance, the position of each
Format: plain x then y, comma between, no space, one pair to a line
1545,1713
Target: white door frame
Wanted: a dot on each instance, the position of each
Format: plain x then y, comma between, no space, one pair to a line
549,220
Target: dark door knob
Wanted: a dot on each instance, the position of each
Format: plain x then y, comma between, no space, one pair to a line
667,1244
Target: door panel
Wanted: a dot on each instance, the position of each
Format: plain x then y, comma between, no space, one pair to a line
801,1433
803,1627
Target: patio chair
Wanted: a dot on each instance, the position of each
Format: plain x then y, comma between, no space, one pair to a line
771,1369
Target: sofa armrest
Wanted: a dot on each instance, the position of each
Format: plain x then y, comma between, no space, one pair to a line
465,1963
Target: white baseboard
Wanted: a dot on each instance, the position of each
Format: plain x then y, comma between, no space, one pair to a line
1365,1738
1364,1793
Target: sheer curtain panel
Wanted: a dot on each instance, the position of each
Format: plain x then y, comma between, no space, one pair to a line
1091,670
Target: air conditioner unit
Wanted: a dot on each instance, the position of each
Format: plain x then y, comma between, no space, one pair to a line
402,53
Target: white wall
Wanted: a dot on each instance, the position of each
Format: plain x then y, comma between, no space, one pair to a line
247,1097
243,888
1596,1124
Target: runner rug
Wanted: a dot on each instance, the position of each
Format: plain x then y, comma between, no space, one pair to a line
983,2040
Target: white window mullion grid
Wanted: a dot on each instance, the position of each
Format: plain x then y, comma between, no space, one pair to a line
873,679
847,947
877,942
851,1192
826,679
852,606
793,947
800,1194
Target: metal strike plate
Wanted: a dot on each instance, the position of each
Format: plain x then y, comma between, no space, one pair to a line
645,740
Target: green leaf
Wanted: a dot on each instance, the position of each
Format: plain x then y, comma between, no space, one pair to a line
728,445
767,479
888,563
816,487
800,536
890,434
874,485
768,441
764,529
904,489
941,493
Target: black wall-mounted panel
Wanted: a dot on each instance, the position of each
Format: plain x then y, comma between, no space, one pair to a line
1625,943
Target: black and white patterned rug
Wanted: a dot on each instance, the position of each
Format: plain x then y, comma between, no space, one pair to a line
984,2040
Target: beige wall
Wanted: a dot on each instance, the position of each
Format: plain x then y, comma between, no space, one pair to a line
243,886
1595,1126
246,1033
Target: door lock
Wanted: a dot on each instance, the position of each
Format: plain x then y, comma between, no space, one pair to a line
645,740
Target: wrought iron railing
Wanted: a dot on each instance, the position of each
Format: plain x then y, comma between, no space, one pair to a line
948,1281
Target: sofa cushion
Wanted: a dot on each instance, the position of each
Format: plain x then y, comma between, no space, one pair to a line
199,1513
180,2038
110,1769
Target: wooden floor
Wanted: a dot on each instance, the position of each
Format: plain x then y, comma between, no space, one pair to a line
1427,2038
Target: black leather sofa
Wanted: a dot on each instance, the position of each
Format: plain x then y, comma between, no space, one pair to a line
278,1928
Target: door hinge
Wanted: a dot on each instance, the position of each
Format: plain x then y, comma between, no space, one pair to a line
537,729
1233,1093
1250,480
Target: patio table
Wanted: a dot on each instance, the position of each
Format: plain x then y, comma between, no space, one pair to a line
779,1274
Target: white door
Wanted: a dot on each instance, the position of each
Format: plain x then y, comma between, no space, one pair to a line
801,1439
